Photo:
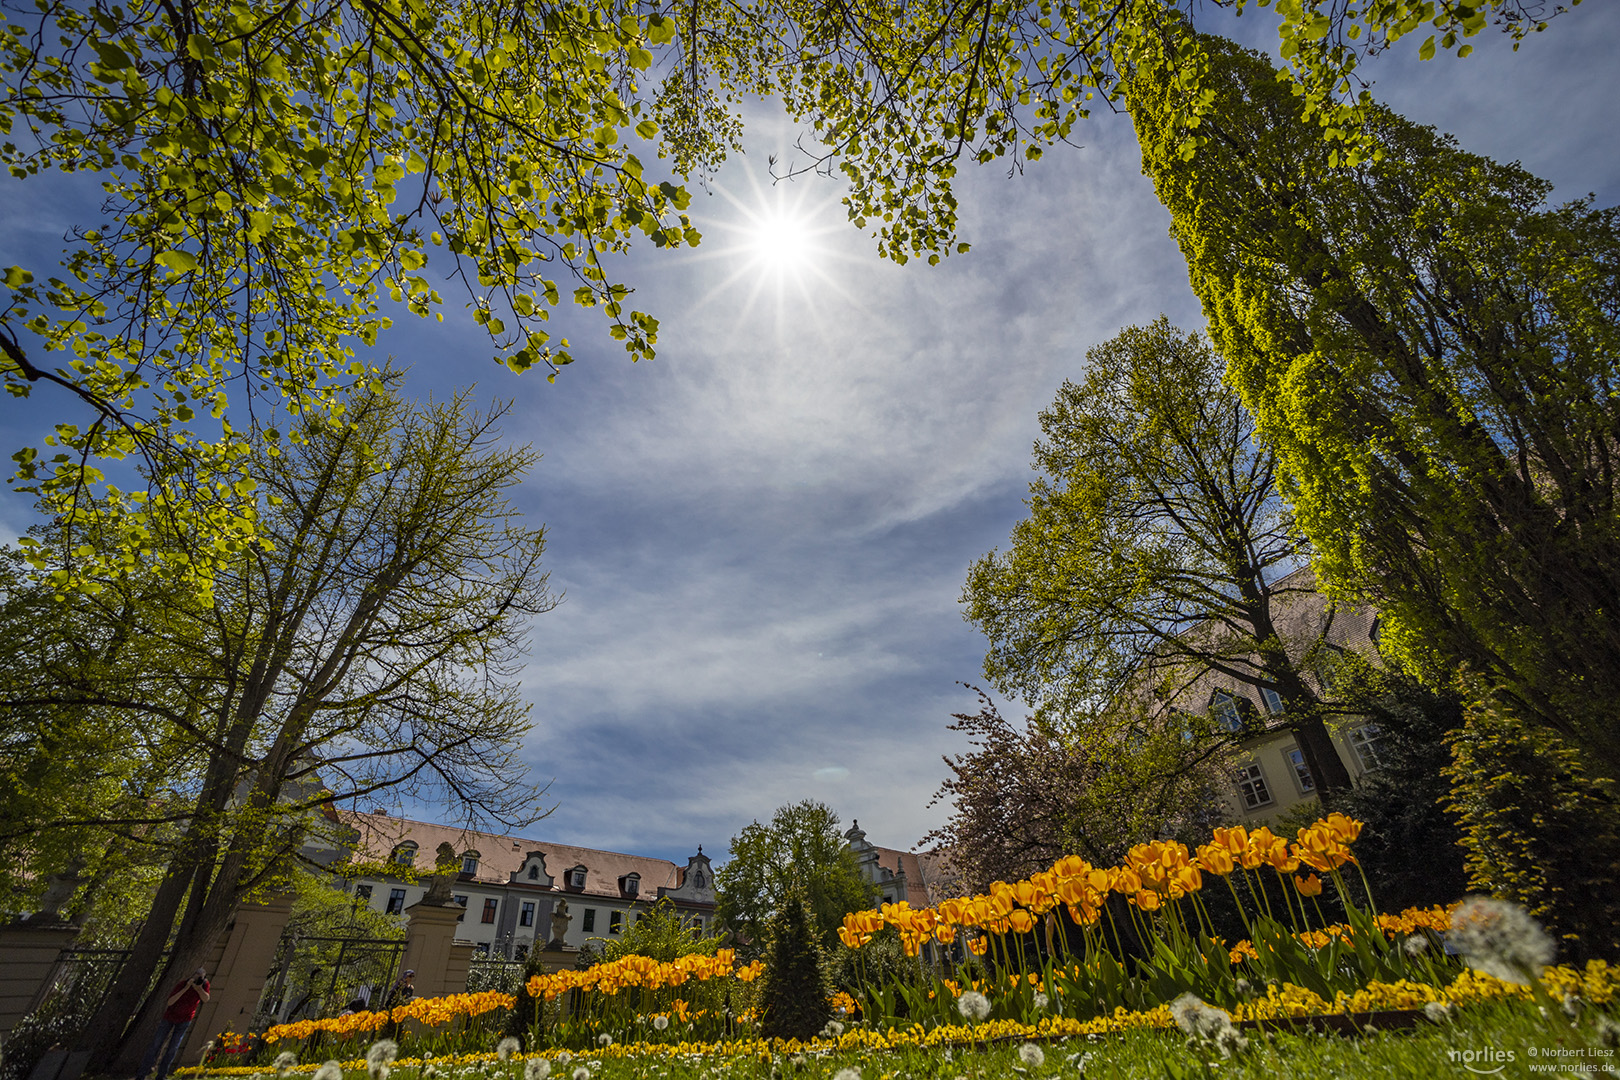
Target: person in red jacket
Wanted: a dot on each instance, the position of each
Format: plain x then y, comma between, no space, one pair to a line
178,1012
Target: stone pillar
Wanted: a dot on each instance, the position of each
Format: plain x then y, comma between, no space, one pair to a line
30,967
431,950
237,972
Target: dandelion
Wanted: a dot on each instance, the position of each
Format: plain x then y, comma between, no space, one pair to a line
973,1005
564,1058
847,1074
1415,945
660,1023
1245,988
1437,1012
832,1030
1032,1055
1501,939
284,1061
1608,1032
1041,1000
1203,1024
582,1073
536,1069
329,1070
1080,1061
507,1047
604,1039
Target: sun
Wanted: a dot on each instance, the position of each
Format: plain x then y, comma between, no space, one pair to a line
781,241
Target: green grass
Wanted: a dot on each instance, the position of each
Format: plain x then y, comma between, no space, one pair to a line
1512,1038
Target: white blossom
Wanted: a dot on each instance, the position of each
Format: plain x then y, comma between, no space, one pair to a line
1041,1000
1204,1024
1437,1012
536,1069
284,1061
329,1070
847,1074
507,1047
1032,1055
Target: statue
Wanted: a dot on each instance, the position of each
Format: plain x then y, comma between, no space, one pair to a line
559,924
438,886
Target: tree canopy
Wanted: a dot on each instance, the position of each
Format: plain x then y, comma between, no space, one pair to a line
1156,556
1432,352
800,849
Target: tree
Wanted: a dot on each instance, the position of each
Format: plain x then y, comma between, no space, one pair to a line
273,178
371,648
1156,552
1432,354
794,990
1024,798
801,848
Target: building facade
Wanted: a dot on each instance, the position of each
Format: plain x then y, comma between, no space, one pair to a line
510,886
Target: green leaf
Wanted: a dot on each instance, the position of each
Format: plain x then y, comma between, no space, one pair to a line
181,262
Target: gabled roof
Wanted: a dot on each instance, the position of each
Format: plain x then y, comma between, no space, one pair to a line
499,857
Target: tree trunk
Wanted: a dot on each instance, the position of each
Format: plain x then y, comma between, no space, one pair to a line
1322,758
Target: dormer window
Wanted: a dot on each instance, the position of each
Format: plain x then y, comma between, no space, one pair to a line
405,854
576,878
1273,700
630,884
1223,710
469,862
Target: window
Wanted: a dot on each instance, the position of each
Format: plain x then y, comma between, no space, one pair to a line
1223,709
405,854
490,905
590,920
1251,784
534,873
1367,741
630,884
462,900
615,920
362,894
576,877
1302,775
698,879
396,901
469,862
527,916
1273,700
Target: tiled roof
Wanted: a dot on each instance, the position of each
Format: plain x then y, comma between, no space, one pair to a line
501,856
895,861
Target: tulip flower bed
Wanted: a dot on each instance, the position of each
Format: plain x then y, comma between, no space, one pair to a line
1045,958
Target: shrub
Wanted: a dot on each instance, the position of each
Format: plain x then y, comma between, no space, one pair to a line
1538,830
794,990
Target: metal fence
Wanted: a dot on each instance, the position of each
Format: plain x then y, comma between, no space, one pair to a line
494,973
324,976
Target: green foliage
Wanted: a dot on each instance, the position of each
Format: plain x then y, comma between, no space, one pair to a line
1409,848
794,989
1431,351
801,848
1155,556
1538,830
661,933
277,182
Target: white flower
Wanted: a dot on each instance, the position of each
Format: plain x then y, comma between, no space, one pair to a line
536,1069
1415,945
507,1047
564,1058
1041,1000
1437,1012
1080,1061
832,1030
1032,1055
973,1005
604,1039
1501,939
1204,1024
660,1022
329,1070
582,1073
382,1052
284,1061
847,1074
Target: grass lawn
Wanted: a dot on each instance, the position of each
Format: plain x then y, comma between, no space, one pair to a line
1505,1038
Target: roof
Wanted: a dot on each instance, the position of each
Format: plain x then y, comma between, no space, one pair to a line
499,857
896,862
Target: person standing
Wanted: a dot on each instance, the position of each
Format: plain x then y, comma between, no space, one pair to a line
178,1012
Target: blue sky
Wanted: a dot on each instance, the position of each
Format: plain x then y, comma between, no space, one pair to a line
762,534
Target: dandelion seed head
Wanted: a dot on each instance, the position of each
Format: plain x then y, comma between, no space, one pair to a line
604,1039
1608,1031
536,1069
564,1058
1415,945
1041,1000
1204,1024
973,1005
582,1073
382,1052
1032,1055
660,1022
1501,939
329,1070
1437,1012
284,1061
507,1047
847,1074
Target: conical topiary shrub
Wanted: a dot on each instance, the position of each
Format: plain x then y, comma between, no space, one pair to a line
794,990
